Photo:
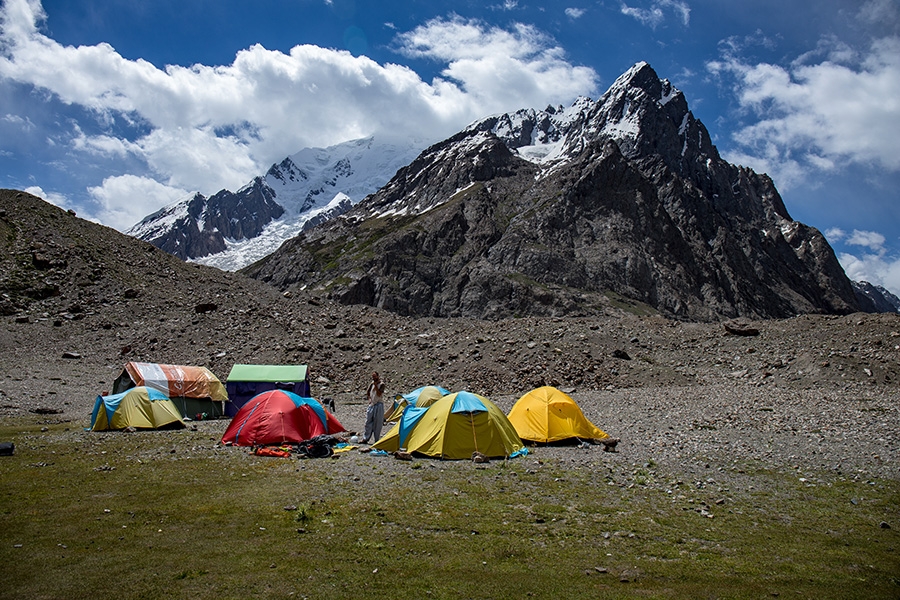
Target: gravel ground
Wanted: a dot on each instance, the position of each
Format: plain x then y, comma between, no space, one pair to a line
816,394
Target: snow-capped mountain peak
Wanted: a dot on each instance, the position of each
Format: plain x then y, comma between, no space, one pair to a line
230,230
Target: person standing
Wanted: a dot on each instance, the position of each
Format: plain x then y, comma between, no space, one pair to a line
375,409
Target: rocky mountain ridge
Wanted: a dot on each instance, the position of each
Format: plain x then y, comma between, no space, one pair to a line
230,230
569,211
875,298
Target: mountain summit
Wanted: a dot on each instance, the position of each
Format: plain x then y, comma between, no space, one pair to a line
568,210
229,230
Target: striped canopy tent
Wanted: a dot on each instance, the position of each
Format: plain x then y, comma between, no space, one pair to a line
192,389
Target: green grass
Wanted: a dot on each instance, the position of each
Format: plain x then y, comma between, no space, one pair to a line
89,515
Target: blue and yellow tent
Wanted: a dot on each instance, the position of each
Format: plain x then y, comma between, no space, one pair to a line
454,427
140,407
422,397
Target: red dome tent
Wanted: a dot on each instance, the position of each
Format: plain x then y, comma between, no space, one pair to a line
279,417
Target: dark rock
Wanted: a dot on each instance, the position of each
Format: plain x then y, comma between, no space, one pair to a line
40,261
225,215
72,355
205,307
619,353
740,328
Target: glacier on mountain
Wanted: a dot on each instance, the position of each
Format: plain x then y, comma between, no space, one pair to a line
310,186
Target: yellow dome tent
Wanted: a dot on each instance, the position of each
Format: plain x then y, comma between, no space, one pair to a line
140,407
546,415
422,397
454,427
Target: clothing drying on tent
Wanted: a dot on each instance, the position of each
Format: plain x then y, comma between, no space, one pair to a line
422,397
279,417
192,389
547,415
140,408
246,381
454,427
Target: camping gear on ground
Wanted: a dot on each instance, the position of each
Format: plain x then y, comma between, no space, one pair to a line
194,390
454,427
7,448
138,408
279,417
422,397
320,446
246,381
547,414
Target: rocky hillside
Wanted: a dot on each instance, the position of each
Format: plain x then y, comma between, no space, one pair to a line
570,211
80,299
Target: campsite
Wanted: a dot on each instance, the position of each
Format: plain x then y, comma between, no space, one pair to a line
747,467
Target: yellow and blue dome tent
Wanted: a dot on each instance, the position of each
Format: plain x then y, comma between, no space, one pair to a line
140,407
422,397
547,414
454,427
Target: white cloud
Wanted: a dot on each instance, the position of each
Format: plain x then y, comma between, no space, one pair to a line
877,269
655,15
53,198
498,69
815,117
835,234
575,13
126,199
876,266
879,12
872,240
209,127
24,123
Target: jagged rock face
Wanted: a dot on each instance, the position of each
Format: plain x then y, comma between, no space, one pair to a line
623,198
200,227
875,299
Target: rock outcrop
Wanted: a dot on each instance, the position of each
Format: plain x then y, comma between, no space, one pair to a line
569,211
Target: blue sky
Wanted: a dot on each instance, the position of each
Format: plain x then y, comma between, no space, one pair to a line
118,107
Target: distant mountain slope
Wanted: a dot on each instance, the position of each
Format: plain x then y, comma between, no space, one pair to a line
564,210
875,298
232,229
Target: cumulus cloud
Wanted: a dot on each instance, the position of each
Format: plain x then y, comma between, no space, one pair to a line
656,13
575,13
496,68
877,269
208,127
873,263
53,198
122,199
830,107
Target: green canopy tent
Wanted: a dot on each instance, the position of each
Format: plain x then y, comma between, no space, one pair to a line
246,381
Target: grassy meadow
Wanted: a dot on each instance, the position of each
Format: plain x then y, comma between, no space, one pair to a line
175,515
